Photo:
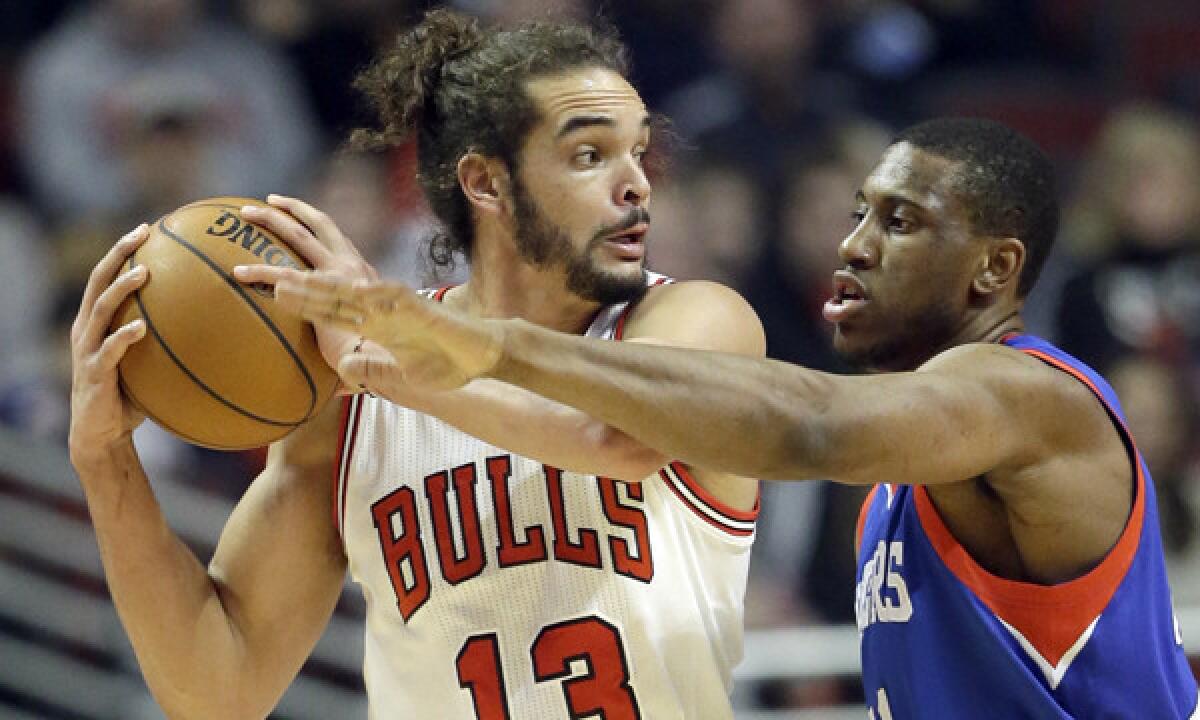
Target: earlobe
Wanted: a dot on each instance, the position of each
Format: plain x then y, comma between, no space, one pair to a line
484,182
1001,267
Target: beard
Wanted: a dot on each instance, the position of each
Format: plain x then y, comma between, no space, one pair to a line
913,340
546,245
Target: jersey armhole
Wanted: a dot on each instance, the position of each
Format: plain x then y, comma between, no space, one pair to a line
862,518
347,434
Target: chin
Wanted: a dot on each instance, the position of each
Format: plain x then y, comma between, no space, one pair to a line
610,288
879,354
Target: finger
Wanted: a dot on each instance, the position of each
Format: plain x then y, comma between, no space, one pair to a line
323,226
264,274
105,307
288,229
320,298
102,275
116,345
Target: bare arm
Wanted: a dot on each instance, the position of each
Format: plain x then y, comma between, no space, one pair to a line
963,414
969,411
223,642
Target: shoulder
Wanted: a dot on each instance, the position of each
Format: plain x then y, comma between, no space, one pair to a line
1036,396
697,313
1006,369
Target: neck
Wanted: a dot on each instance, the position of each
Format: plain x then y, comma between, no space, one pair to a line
504,285
990,325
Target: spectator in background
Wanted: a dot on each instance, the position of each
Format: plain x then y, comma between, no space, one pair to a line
1136,225
26,402
709,223
355,190
815,208
1160,403
73,77
162,125
767,94
328,42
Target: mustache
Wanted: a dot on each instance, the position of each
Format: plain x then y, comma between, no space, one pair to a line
635,216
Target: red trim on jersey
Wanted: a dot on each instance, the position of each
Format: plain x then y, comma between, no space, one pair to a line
716,513
337,463
440,293
862,517
347,436
697,499
1051,617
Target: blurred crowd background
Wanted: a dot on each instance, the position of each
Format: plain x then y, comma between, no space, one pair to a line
115,111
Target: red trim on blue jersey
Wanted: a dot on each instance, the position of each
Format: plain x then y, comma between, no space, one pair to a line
347,435
1051,617
862,518
716,513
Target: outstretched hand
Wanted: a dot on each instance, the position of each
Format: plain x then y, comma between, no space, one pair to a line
402,338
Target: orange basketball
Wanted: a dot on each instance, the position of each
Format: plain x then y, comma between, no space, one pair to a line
220,365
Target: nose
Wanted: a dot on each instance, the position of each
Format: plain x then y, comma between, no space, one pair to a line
633,188
860,249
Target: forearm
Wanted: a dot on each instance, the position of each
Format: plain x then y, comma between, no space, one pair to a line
184,640
737,414
527,424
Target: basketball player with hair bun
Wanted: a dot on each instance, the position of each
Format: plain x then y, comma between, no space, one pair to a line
1010,563
518,558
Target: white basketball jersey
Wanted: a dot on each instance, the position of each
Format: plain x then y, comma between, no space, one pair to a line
498,588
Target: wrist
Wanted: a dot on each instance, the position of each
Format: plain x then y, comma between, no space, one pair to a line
504,336
98,458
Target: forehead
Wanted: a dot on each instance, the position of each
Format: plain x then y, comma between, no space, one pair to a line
908,173
586,91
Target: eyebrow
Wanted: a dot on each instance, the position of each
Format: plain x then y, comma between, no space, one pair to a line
894,198
578,122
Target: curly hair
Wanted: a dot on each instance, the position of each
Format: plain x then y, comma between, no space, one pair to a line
461,88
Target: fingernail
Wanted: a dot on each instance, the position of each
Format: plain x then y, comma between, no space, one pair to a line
139,326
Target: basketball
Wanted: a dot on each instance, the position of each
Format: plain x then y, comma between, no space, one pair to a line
221,365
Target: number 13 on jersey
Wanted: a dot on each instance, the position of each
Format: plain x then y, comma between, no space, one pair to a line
603,690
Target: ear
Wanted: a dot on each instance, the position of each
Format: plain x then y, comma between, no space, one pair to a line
1001,266
484,182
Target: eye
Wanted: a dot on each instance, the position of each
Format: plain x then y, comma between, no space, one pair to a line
587,157
858,215
901,225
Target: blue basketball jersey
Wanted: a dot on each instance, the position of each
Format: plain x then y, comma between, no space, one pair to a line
944,638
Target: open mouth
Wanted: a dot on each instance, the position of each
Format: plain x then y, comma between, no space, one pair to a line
629,244
849,296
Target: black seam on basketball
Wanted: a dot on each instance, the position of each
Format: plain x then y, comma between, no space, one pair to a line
312,385
137,298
